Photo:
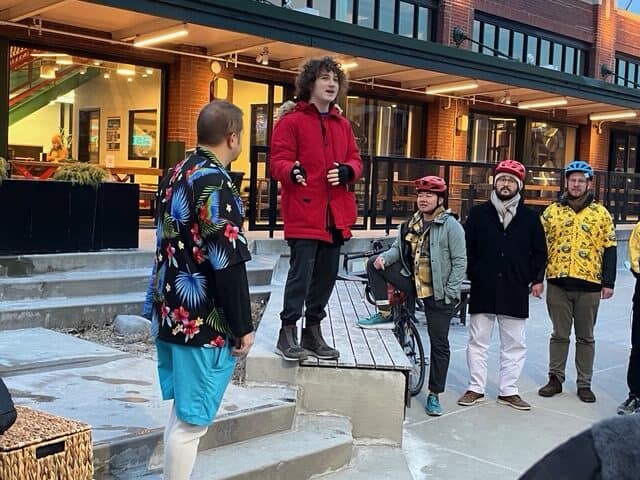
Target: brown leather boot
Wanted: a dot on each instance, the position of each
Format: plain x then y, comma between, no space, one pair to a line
553,387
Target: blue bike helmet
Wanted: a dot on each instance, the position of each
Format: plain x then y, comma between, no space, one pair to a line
579,166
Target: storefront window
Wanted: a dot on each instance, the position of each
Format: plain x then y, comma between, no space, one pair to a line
545,49
551,145
89,104
492,138
386,128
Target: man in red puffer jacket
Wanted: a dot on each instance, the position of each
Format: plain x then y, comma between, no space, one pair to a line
315,157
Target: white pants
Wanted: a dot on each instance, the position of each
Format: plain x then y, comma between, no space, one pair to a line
181,441
512,351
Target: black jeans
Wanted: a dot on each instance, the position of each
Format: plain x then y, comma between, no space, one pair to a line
313,268
633,372
378,280
437,312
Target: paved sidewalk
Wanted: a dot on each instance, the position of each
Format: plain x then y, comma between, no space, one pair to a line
494,441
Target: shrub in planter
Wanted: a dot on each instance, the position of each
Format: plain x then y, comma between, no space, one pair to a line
82,174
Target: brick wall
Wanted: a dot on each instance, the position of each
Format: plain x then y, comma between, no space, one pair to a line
594,147
604,43
551,15
628,33
187,93
444,142
451,14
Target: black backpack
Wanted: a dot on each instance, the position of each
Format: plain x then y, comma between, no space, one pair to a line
8,412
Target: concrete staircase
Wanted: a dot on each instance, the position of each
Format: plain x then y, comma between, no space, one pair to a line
78,289
270,429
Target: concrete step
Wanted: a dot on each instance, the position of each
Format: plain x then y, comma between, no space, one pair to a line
23,265
315,444
83,282
245,414
64,312
78,311
74,284
379,462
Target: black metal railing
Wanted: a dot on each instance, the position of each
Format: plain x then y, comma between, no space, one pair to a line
386,196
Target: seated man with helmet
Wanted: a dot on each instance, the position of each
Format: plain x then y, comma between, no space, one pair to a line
428,260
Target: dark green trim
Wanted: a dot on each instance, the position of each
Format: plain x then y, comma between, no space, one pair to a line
42,98
265,20
4,97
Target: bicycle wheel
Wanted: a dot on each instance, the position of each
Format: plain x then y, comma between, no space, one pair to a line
410,341
368,294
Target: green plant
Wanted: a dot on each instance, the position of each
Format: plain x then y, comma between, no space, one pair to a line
4,169
82,174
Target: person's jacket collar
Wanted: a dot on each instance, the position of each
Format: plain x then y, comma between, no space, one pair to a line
307,107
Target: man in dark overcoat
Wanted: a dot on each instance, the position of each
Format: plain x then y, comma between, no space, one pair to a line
506,258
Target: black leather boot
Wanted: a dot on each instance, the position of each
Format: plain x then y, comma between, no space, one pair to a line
288,347
313,342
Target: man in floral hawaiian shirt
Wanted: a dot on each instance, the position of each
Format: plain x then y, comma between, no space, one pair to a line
201,305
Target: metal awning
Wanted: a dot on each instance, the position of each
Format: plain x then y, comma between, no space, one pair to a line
245,27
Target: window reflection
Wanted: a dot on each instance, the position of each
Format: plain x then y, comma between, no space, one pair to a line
493,138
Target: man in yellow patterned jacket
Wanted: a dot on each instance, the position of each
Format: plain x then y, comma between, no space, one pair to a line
581,270
632,403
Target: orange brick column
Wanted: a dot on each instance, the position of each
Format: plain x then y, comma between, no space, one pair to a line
187,93
451,14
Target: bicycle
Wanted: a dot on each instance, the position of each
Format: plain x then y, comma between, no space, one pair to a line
405,323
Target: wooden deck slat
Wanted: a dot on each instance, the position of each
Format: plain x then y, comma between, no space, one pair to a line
374,337
397,359
361,349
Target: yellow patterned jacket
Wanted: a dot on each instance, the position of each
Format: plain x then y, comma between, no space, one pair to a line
634,249
576,241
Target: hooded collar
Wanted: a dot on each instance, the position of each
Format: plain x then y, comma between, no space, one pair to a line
307,107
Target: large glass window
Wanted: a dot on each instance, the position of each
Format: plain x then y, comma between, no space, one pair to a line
627,71
550,145
405,25
492,138
386,128
412,18
365,13
387,15
522,43
89,105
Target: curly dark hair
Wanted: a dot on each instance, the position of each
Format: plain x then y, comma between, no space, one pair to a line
312,70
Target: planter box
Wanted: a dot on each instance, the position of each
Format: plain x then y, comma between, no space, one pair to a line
40,446
50,216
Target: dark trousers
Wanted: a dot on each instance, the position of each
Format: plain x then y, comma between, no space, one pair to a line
437,312
633,372
313,268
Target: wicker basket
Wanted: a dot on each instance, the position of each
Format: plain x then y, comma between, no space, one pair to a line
41,446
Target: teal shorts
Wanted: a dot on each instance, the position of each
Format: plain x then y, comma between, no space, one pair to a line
195,378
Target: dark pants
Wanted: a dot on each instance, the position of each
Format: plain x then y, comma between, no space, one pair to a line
567,309
313,268
633,372
438,318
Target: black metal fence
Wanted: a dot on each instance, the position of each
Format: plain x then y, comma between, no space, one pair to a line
386,195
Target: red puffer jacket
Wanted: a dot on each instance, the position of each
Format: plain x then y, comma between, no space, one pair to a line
317,142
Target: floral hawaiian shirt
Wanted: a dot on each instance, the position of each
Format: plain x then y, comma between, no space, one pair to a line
199,232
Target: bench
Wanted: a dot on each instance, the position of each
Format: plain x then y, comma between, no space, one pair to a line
359,348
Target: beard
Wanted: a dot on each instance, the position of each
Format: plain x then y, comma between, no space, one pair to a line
508,196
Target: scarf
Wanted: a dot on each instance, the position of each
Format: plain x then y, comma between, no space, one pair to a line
579,203
506,209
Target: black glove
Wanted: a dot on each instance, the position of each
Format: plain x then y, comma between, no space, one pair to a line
345,174
298,170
